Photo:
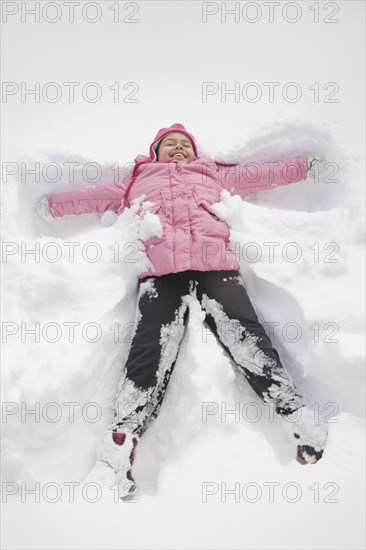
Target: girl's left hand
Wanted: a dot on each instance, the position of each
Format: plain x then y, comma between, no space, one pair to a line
312,164
109,217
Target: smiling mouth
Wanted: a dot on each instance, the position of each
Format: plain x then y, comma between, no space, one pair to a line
179,155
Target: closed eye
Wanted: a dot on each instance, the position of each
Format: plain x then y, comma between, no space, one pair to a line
186,144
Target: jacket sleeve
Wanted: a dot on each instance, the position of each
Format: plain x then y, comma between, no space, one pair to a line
97,198
243,179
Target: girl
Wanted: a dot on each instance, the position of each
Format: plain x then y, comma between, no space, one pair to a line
190,255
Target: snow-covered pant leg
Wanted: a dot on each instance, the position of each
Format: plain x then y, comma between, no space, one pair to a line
161,317
232,318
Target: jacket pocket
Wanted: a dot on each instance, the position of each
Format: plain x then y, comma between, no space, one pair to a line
203,203
207,206
154,209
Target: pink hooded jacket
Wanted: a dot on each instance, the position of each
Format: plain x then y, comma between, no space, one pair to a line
193,236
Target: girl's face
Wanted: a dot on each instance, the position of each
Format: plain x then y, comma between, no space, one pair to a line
175,146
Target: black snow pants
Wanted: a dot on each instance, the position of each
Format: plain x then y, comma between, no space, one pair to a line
161,318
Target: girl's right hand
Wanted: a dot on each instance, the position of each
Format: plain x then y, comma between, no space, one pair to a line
43,210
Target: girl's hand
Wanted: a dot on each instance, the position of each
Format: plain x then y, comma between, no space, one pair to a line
108,218
43,210
313,165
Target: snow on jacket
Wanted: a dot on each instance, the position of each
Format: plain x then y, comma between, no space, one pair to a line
193,237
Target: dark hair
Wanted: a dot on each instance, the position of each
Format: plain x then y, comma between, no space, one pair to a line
158,147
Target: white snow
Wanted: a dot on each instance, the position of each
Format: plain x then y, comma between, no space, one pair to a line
69,307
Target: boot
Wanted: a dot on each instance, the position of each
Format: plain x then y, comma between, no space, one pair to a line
117,450
310,435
